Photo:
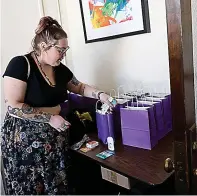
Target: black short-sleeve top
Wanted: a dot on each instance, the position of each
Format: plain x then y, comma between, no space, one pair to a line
39,93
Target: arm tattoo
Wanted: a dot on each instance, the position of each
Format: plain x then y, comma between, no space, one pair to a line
94,94
26,109
82,90
28,112
74,81
6,100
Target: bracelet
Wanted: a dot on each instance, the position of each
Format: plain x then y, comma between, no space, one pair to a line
99,94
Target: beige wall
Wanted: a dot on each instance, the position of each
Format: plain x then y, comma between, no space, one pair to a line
140,59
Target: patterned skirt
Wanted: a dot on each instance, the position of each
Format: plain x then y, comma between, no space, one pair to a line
35,158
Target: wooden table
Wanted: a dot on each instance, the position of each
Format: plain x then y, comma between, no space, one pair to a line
138,164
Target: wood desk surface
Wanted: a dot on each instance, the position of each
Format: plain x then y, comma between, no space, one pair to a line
144,165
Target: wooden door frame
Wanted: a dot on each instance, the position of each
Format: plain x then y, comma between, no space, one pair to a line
180,45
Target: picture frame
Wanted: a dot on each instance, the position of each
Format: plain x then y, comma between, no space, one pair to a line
110,19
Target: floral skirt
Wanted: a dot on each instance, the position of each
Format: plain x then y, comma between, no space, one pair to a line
35,158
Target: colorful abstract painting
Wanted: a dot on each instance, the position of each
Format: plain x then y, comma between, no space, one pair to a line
108,12
108,19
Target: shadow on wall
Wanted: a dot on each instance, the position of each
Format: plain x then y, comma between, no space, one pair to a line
107,66
105,76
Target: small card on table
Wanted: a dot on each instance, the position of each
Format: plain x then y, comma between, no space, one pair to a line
105,154
85,149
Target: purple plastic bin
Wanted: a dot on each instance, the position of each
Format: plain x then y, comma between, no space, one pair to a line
65,108
80,102
139,127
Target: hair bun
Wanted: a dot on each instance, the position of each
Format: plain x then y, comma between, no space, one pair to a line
46,22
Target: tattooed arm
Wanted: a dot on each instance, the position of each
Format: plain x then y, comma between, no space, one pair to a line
25,111
51,110
83,89
14,91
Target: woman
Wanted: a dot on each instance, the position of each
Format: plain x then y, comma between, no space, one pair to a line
34,135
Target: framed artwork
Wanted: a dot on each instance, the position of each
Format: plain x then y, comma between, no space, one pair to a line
109,19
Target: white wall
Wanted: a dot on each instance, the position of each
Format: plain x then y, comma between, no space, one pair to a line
18,21
139,60
112,63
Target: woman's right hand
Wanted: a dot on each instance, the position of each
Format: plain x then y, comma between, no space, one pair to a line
59,123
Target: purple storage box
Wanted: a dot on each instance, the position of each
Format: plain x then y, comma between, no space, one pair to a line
65,108
139,127
105,126
80,102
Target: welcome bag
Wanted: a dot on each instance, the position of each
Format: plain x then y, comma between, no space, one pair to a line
139,126
122,101
159,117
167,112
105,125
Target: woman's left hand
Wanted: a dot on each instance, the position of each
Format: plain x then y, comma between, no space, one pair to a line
104,98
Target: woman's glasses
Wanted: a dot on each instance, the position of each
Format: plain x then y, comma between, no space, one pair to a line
59,49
